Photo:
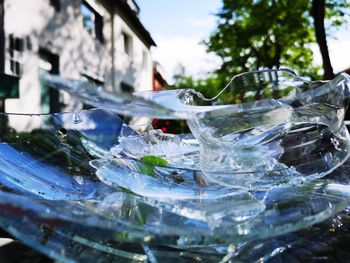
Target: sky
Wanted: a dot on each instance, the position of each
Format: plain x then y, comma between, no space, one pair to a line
339,49
178,27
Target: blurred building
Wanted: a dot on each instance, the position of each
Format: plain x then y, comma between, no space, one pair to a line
102,41
159,82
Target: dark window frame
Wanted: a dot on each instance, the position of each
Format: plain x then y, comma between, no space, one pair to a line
125,87
54,95
97,30
16,49
127,43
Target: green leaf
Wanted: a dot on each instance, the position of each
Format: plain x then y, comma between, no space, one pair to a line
153,160
147,169
150,162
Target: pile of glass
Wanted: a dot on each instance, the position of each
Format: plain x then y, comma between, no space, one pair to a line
84,185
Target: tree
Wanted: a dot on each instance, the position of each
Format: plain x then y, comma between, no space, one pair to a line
254,34
333,10
318,14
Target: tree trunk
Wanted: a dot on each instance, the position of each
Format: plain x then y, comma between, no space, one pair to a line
318,14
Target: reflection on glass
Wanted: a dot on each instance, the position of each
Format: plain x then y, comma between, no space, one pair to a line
85,186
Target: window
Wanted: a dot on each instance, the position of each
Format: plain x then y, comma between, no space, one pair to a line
16,48
127,43
144,60
88,18
51,99
125,87
56,5
92,21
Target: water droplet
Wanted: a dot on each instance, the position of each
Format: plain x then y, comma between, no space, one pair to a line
76,118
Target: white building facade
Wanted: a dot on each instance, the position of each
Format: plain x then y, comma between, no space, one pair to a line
102,41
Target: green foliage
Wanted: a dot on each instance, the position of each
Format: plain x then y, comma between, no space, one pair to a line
150,162
154,160
240,91
209,86
255,34
260,34
337,12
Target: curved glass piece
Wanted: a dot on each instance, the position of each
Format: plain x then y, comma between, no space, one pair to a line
72,187
300,128
271,126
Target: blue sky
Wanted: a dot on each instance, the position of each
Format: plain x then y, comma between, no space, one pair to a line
178,27
180,17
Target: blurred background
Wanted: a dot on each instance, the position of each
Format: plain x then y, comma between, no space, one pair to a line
204,43
129,45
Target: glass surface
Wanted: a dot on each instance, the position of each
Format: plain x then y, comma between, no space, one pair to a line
266,157
265,128
74,187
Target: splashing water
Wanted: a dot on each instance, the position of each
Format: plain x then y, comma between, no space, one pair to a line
87,182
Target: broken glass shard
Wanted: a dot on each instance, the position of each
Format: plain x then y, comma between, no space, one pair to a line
265,128
85,185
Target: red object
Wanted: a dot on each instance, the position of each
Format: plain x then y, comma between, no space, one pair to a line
155,123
